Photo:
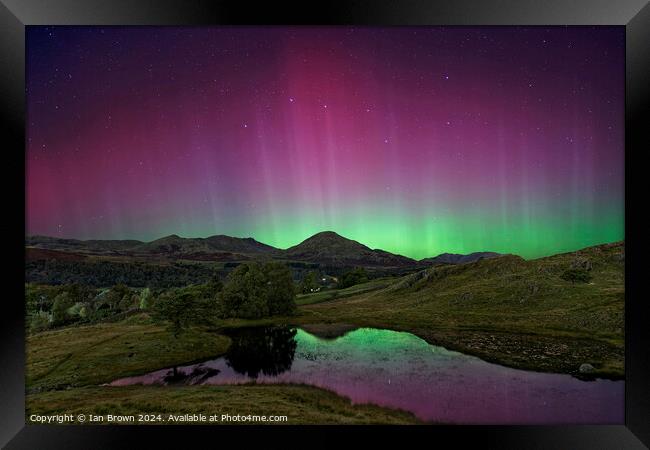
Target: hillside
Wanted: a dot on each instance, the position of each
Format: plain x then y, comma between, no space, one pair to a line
327,249
455,258
330,249
218,247
165,262
76,245
520,313
175,245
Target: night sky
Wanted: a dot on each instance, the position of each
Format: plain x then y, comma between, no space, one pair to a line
414,140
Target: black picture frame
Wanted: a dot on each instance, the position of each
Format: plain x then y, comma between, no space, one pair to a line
634,15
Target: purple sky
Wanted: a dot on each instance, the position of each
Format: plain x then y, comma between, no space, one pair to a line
415,140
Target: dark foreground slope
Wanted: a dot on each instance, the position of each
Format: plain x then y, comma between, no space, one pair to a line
301,404
505,309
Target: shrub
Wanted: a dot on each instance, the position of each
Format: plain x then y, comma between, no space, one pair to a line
145,299
309,283
355,276
576,275
62,302
75,310
40,321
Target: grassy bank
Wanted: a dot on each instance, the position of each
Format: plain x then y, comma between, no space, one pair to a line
66,367
96,354
333,294
301,404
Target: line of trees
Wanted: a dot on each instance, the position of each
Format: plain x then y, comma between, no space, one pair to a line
111,273
55,306
251,291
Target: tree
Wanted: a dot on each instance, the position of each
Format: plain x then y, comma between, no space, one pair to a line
215,283
281,297
40,297
244,295
85,310
355,276
75,310
182,308
309,283
79,293
40,321
62,302
119,297
255,291
576,275
145,299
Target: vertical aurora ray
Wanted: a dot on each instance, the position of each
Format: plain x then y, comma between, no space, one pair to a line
414,140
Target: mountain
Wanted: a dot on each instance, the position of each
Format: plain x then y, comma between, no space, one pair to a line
455,258
176,245
90,246
241,245
326,248
213,247
331,249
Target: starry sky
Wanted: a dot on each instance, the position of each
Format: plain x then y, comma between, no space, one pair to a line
416,140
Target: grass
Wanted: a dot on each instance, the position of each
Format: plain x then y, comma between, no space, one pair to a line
506,310
66,367
301,404
96,354
332,294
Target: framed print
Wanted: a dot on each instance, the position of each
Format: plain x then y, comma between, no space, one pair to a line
388,219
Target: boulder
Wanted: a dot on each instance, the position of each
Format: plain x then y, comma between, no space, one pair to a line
586,368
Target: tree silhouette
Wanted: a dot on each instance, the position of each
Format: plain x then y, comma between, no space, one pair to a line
266,350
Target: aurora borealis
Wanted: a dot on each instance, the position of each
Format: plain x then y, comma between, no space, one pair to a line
416,140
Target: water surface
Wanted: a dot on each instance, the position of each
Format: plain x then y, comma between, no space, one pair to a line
400,370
